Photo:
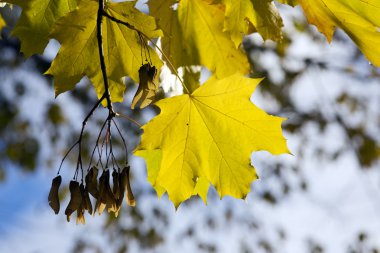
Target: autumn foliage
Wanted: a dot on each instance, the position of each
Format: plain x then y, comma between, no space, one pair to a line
205,136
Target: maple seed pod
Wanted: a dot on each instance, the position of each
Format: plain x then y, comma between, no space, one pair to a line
99,206
86,202
80,215
116,187
75,199
123,177
106,197
82,207
53,197
92,182
130,198
152,72
147,89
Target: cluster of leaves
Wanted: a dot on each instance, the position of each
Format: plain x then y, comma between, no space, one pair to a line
207,135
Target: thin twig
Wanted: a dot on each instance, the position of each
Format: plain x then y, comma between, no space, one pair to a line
84,123
79,141
67,153
128,118
122,138
97,145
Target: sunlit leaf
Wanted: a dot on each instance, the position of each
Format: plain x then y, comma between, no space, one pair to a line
208,136
263,15
194,36
2,23
123,48
36,21
359,19
172,41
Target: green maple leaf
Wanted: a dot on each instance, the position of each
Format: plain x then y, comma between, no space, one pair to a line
36,21
123,55
359,19
208,137
194,36
263,15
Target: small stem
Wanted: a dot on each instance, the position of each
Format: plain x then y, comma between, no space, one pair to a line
109,139
67,153
79,141
128,118
101,55
122,138
97,145
84,123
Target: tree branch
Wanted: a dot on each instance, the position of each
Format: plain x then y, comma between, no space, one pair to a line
101,56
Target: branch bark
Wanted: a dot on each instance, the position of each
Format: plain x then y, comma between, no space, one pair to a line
99,25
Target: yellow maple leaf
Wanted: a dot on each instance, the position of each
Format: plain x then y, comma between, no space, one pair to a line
36,20
208,137
123,50
2,23
202,28
359,19
194,36
173,41
263,15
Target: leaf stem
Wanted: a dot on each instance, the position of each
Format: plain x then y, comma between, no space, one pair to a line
128,118
124,142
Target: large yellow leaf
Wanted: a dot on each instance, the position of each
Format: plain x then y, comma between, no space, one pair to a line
208,137
262,14
359,19
36,21
194,36
123,55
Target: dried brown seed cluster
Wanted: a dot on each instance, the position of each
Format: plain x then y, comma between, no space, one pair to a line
100,189
148,87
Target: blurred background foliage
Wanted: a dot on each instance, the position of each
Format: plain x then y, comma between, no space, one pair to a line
36,131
